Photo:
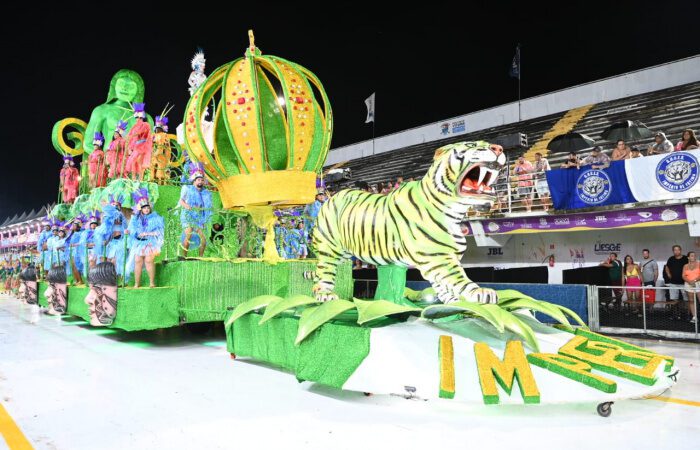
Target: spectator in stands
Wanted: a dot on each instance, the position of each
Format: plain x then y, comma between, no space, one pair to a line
674,273
399,182
386,188
621,151
541,186
635,152
650,269
660,145
572,161
615,275
632,276
523,172
597,159
356,264
691,276
688,142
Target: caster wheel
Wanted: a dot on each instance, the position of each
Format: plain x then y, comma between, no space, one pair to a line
605,409
233,356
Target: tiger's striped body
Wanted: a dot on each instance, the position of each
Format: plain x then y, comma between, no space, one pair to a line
415,225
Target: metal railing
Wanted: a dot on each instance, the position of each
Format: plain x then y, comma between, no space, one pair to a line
665,311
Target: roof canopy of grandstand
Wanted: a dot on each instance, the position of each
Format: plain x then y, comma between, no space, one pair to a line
664,97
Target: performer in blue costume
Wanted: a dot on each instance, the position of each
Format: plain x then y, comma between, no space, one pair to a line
91,244
195,201
146,230
48,253
303,240
57,245
44,256
311,211
74,254
111,234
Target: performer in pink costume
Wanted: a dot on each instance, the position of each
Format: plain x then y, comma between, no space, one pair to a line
97,164
70,180
139,143
117,151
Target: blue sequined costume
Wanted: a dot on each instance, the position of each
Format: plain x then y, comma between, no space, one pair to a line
74,251
113,222
200,200
144,245
45,255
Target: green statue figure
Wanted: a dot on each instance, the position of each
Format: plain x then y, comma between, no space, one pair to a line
127,87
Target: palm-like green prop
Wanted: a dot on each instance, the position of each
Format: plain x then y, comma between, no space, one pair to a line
503,317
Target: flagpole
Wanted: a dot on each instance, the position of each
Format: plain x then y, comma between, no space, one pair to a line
520,74
373,135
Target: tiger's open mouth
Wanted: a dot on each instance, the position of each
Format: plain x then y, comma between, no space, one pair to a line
477,181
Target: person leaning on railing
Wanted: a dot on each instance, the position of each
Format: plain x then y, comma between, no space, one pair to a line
674,274
691,276
621,151
523,170
597,159
572,161
650,269
541,186
660,145
688,141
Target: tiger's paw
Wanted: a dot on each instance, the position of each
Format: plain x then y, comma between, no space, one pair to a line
482,295
324,295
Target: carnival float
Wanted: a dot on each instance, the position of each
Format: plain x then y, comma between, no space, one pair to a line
257,130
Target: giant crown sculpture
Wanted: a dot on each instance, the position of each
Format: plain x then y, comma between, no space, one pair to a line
271,130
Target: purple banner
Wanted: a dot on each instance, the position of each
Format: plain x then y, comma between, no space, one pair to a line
646,217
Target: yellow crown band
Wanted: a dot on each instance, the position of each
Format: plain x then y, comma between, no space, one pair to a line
281,187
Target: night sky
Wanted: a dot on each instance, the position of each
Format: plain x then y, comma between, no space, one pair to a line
424,65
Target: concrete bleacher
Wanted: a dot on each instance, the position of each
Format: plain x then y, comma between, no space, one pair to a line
670,110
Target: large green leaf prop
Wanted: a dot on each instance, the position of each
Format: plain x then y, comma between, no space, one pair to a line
315,316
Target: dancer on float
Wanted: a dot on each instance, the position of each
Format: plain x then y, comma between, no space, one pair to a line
311,210
139,144
116,153
146,230
75,253
57,246
90,243
44,236
162,152
195,201
110,234
97,164
70,180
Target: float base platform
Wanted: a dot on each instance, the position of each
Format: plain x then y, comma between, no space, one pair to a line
202,291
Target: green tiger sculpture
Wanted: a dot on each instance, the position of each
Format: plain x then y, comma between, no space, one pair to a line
416,225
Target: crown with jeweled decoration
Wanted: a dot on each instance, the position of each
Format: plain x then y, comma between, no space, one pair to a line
272,129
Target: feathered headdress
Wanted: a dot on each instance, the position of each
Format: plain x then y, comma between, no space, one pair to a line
81,218
140,110
196,171
198,61
119,199
121,127
140,198
94,217
98,139
162,120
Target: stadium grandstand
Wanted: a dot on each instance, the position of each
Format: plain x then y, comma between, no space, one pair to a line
665,98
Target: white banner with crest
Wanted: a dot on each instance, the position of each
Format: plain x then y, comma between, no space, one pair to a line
669,176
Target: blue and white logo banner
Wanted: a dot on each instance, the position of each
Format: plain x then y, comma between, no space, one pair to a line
587,187
669,176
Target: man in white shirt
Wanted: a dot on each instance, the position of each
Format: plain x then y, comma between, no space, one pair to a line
541,186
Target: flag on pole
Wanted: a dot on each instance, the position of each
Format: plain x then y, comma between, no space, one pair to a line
515,66
370,108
